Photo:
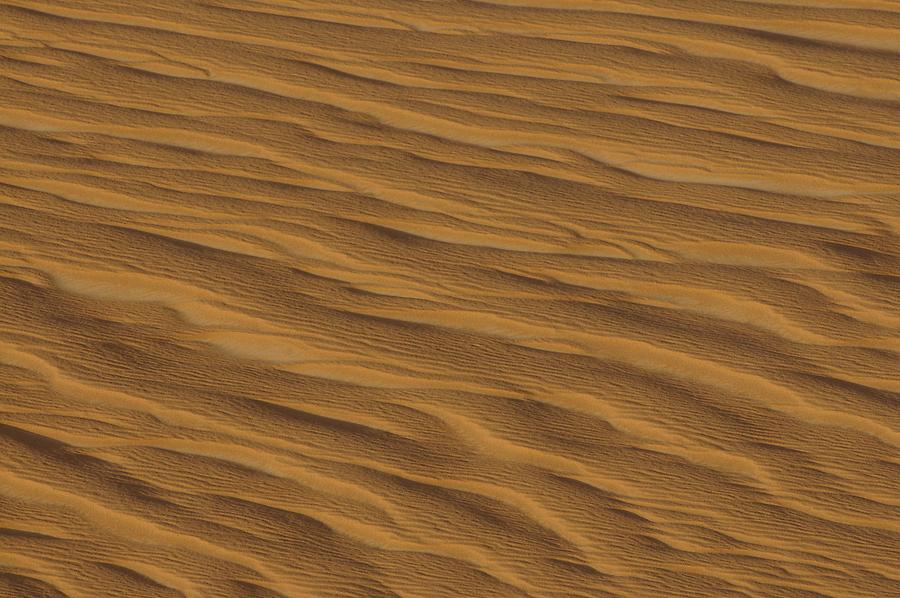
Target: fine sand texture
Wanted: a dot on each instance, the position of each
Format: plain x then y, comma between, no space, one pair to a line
450,298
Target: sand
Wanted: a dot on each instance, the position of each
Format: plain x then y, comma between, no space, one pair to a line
476,299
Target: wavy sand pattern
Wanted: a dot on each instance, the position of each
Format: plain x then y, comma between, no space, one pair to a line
408,299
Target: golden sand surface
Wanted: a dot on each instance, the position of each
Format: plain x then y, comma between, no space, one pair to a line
450,299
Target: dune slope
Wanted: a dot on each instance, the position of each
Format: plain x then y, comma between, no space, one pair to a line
406,299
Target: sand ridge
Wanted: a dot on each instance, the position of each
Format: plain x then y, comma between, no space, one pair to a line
507,298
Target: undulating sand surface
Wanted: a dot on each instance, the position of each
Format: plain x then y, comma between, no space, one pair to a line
426,299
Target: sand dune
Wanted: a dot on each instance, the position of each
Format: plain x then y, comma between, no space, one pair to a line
506,298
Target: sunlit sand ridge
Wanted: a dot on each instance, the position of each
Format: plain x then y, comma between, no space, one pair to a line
407,299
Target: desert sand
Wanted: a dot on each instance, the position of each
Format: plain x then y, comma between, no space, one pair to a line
450,299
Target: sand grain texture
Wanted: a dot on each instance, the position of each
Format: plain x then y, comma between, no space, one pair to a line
414,299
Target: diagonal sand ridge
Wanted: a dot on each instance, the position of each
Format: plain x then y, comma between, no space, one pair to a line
450,299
